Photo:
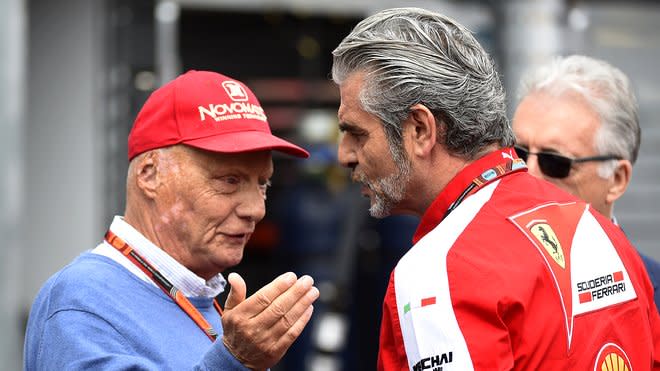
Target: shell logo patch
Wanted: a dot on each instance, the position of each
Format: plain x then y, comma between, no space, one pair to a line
612,358
548,239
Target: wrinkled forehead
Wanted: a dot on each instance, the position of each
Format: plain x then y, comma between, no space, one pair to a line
256,162
564,124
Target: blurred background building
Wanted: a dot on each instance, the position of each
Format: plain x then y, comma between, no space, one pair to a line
74,73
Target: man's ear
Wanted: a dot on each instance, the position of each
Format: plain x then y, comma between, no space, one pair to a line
147,173
619,181
423,129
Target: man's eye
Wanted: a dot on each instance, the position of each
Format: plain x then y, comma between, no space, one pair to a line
265,184
233,180
350,130
263,187
227,184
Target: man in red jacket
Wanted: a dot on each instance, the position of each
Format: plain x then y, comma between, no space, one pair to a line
507,271
577,126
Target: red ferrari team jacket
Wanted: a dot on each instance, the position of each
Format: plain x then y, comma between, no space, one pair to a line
519,276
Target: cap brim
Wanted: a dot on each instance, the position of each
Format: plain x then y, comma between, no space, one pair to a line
246,141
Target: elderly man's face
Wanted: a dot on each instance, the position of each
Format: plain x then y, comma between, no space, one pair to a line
364,148
564,125
210,206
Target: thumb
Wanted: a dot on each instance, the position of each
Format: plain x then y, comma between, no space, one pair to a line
236,292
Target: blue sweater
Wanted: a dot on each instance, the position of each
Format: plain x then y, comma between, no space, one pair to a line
96,315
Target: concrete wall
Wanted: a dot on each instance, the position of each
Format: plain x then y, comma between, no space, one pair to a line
12,97
63,173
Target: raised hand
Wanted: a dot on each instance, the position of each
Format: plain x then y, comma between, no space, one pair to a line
258,330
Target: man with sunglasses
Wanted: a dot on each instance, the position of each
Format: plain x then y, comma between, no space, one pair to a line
577,126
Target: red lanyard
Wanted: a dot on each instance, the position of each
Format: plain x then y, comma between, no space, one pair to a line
165,285
485,178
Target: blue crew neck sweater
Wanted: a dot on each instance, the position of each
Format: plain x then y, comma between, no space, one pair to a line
96,315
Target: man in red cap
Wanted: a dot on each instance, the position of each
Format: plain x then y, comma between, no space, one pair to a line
200,164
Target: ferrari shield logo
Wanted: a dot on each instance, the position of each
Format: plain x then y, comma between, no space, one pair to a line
546,236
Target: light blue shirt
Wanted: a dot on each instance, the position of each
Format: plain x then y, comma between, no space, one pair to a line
98,314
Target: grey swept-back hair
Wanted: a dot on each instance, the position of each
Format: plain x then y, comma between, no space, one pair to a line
606,89
412,56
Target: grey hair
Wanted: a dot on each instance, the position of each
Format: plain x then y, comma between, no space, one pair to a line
412,56
609,93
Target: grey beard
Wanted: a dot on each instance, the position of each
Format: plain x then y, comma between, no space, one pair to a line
388,191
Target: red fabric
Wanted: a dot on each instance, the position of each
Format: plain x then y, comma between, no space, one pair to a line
507,304
456,186
391,354
205,110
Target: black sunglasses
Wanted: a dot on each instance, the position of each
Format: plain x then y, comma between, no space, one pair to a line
558,166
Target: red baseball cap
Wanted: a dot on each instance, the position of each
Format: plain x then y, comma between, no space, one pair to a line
205,110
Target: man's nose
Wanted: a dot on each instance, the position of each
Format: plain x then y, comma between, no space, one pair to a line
345,153
533,166
252,206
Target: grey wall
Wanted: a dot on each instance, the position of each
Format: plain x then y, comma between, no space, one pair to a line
62,170
51,173
12,79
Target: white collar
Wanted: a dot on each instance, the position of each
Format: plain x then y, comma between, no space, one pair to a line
190,284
